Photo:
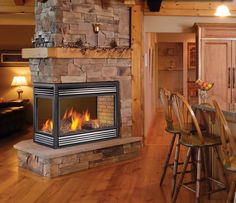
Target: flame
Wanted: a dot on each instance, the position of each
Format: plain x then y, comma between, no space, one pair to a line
65,114
48,126
75,118
86,115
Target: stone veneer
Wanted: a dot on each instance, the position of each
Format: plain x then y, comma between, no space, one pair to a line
52,163
67,21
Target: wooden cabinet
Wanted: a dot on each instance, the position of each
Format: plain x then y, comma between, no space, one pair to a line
233,71
216,59
215,64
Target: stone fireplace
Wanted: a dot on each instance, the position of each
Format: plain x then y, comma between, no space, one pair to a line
68,62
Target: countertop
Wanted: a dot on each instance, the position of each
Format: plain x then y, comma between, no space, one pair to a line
228,109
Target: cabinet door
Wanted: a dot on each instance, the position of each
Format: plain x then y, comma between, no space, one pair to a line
215,64
233,71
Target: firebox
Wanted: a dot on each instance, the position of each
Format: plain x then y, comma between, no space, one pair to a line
72,113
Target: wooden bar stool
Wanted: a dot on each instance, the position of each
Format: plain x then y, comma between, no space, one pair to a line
197,141
228,149
174,129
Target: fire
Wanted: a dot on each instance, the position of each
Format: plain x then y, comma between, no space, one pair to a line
76,119
71,121
47,126
86,115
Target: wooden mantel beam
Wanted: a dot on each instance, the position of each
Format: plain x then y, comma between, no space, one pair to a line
19,2
129,3
73,53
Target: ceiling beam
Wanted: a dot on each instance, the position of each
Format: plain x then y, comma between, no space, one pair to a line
19,2
186,12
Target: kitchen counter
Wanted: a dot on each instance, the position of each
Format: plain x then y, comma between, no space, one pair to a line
228,109
209,121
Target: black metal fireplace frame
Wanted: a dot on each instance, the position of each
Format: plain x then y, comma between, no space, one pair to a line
55,91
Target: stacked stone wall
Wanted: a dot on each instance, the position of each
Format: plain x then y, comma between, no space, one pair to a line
53,167
67,21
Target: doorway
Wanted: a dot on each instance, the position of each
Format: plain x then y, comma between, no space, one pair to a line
174,57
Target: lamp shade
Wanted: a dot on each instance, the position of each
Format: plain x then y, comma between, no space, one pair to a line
19,81
222,11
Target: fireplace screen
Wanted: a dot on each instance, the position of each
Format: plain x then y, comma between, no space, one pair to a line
66,114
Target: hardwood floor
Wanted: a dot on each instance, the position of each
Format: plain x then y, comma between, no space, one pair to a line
133,181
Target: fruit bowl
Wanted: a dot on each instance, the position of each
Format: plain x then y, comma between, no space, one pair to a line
204,86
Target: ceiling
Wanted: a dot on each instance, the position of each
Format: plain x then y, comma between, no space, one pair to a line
168,8
199,0
191,8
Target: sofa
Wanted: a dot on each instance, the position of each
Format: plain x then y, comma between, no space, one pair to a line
12,116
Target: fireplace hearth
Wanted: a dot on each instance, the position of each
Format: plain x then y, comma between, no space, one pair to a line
74,113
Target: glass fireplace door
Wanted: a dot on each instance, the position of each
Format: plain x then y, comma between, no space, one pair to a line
66,114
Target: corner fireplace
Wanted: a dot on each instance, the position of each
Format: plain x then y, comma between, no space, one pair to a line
72,113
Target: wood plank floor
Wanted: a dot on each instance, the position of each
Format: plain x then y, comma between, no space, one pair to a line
133,181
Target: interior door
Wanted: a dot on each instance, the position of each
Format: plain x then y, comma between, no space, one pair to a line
216,67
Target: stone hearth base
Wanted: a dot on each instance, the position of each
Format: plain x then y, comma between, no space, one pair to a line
56,162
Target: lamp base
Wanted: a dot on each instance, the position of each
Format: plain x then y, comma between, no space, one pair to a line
19,92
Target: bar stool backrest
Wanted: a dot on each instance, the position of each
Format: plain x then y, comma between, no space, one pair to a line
228,143
185,115
165,96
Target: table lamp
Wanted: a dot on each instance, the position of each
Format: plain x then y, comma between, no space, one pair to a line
19,81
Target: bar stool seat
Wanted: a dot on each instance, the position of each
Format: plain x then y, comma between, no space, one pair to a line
175,128
232,166
194,141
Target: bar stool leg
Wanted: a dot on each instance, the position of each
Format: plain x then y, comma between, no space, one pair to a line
231,193
182,175
167,159
222,167
193,165
176,161
197,197
206,173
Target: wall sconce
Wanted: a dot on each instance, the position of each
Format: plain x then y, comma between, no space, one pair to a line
96,27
